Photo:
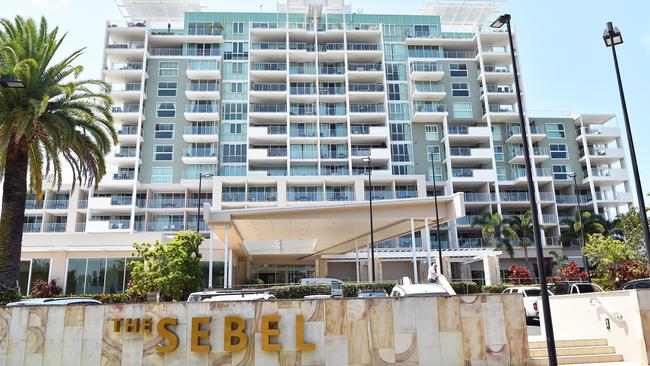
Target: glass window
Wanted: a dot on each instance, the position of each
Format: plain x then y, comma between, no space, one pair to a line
397,92
114,276
398,111
459,89
238,28
164,131
167,89
458,70
501,173
76,276
431,133
498,153
234,153
462,110
235,111
496,133
395,72
95,271
433,152
561,172
168,68
438,174
161,175
555,131
165,110
400,132
403,169
31,271
163,152
558,151
401,152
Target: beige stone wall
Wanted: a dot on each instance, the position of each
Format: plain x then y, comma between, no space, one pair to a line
458,330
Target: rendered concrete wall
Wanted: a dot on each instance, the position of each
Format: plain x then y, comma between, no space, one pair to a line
458,330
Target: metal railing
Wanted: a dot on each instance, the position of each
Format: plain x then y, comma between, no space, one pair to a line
58,227
366,87
269,87
364,67
268,45
364,47
269,108
32,227
367,108
268,66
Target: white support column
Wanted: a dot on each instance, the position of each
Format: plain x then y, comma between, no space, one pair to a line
415,262
369,259
356,256
226,263
230,268
427,233
211,247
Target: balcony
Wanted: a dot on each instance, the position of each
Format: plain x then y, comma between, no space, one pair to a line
260,155
471,175
518,176
33,204
425,71
115,203
272,133
503,113
32,227
200,155
58,227
514,197
275,112
333,154
268,90
191,35
517,155
167,203
613,198
126,92
303,132
535,133
367,112
550,219
598,135
376,154
198,90
296,196
458,39
496,54
203,70
364,51
571,200
464,134
361,133
166,226
429,112
275,70
476,197
268,49
199,133
134,49
120,176
57,204
125,72
331,51
339,196
202,112
497,74
128,135
268,28
608,176
365,71
331,73
428,91
468,220
499,94
602,154
470,155
378,195
126,112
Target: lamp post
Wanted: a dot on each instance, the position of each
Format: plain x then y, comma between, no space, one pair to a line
548,322
435,200
372,230
582,230
11,82
198,222
612,37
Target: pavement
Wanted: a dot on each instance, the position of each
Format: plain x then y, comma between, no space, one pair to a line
534,330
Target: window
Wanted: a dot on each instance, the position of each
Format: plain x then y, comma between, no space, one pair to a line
165,110
457,70
459,90
431,133
237,68
161,175
97,275
401,152
433,152
397,92
561,172
398,111
236,87
31,271
164,131
395,72
462,110
400,132
234,153
235,128
167,89
402,169
498,153
238,28
555,131
438,175
235,111
501,173
163,152
496,133
558,151
168,68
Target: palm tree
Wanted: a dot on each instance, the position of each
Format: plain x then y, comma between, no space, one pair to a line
55,119
523,227
591,224
495,229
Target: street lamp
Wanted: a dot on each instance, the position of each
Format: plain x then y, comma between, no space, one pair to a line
582,230
372,230
11,82
435,200
548,322
612,37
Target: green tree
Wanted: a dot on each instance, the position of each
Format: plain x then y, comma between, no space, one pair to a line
523,227
55,119
627,227
592,224
496,230
172,268
606,253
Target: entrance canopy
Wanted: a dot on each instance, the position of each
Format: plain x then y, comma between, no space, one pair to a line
306,232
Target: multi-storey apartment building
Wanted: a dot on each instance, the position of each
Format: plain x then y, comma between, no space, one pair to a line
283,109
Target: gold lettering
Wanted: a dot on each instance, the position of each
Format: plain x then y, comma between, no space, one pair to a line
146,325
166,333
197,334
132,325
117,322
268,332
234,332
300,336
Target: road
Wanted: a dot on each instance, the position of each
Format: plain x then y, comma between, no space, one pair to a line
534,330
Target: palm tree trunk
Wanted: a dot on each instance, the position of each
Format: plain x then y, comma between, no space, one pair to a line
13,212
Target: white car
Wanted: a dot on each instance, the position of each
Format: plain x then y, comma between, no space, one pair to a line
47,301
441,288
241,297
230,295
530,296
336,285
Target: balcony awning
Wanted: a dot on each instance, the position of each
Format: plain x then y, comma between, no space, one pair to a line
306,232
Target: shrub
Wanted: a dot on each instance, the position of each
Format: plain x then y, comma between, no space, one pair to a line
105,298
465,287
627,271
571,272
8,294
519,275
494,289
352,289
299,291
44,289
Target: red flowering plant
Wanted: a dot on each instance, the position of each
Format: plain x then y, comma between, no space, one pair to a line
519,275
627,271
571,272
44,289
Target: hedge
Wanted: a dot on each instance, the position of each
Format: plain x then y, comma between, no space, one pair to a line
105,298
494,289
300,291
352,289
8,294
465,287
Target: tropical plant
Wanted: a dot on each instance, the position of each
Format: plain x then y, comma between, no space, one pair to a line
523,227
591,224
43,289
558,259
57,120
519,275
627,271
496,230
606,253
627,227
571,272
172,269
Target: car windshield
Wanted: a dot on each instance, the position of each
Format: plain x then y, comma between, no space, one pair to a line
336,285
586,288
533,292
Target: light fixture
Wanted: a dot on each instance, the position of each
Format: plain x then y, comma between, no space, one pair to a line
500,21
11,82
611,35
366,159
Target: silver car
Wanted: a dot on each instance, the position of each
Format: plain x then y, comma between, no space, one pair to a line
55,301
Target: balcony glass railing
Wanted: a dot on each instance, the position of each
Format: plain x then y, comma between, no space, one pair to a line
128,130
262,196
268,25
269,108
233,196
363,26
367,108
428,88
499,89
303,132
121,201
304,154
119,224
479,197
462,172
302,46
269,46
166,203
166,51
364,47
338,196
468,219
360,129
126,45
502,108
58,227
330,170
200,152
495,48
32,227
550,218
82,204
80,227
366,88
378,195
496,68
127,108
165,226
361,151
341,154
125,153
302,90
534,130
364,67
331,90
203,65
332,111
127,66
331,70
537,151
405,194
331,47
124,176
514,196
269,87
423,66
260,66
338,131
201,130
429,107
126,87
202,108
302,70
308,110
33,204
271,171
296,196
458,130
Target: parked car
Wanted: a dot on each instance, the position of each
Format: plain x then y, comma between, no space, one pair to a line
530,296
337,285
441,288
48,301
637,284
372,293
205,295
240,297
566,288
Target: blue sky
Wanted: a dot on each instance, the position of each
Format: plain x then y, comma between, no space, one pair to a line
564,63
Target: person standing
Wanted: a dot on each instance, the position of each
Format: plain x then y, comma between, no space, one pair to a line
432,276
